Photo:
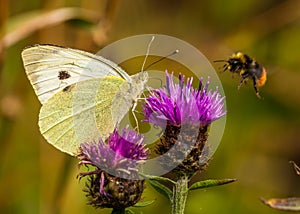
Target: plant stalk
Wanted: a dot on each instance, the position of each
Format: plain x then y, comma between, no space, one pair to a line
118,211
180,193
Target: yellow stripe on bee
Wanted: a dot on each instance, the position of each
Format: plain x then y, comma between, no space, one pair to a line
239,55
242,71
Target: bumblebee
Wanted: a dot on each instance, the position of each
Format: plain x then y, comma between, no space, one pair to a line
248,68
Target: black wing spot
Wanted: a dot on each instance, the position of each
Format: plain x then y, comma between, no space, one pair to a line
62,75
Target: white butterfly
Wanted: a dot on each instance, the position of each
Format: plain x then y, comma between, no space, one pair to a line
83,95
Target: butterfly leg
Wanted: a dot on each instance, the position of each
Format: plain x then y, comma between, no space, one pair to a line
296,167
134,116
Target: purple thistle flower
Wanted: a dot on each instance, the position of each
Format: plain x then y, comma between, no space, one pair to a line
180,104
114,182
122,152
185,114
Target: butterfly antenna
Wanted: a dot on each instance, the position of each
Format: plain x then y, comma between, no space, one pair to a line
147,53
171,54
297,168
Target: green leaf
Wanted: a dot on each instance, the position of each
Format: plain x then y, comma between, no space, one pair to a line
161,188
129,212
210,183
288,204
157,178
144,203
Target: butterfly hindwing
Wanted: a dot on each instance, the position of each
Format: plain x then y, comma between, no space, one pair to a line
83,113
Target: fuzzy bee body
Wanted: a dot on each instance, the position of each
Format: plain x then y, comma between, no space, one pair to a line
247,68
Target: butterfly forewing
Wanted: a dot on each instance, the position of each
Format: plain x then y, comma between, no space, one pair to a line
51,68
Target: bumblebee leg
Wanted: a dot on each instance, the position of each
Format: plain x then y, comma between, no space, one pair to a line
244,76
225,67
242,80
241,83
255,88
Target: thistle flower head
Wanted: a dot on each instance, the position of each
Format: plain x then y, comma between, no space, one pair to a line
114,181
180,104
185,114
121,154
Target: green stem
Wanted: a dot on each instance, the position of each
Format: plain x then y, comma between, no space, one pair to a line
180,193
118,211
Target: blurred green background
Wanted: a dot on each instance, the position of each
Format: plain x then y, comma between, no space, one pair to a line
260,138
